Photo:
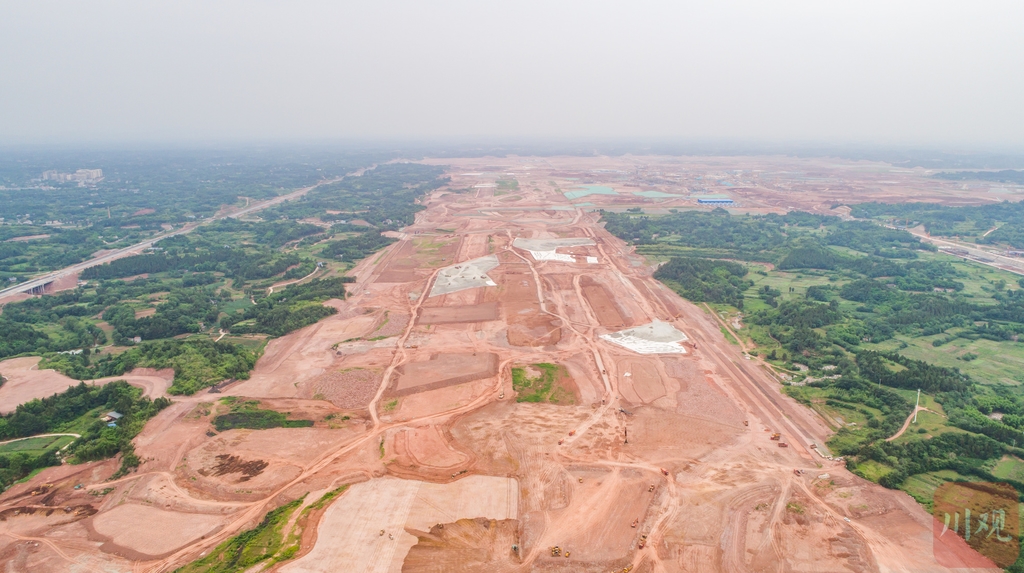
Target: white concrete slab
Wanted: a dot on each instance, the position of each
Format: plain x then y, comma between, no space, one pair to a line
466,275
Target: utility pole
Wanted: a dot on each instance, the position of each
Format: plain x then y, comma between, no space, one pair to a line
918,405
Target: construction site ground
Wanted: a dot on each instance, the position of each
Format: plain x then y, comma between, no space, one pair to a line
414,409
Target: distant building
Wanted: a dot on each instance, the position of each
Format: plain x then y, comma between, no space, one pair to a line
112,417
715,200
81,176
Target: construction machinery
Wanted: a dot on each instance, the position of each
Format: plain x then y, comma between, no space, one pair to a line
783,445
635,522
664,472
746,422
798,472
556,551
651,488
776,436
643,541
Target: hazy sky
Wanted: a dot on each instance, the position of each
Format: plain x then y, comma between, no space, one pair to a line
928,72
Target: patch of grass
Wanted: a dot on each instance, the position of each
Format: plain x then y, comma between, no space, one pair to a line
871,470
248,415
1009,467
33,445
922,486
328,497
390,406
543,388
728,336
795,507
507,185
265,542
932,424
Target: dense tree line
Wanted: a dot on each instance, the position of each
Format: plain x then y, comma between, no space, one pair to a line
237,263
184,311
705,280
914,374
352,249
867,237
755,238
18,338
289,309
385,197
197,363
972,221
272,234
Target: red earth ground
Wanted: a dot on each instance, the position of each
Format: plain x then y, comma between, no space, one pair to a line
414,407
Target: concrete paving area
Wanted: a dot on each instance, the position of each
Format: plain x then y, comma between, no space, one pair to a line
654,338
467,275
547,249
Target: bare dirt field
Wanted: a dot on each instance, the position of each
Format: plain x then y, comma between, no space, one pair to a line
447,315
414,408
25,381
444,370
350,530
152,531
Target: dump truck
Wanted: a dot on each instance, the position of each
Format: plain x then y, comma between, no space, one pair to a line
746,422
776,436
635,522
783,445
664,472
643,541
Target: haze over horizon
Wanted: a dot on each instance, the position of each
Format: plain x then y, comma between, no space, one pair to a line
915,73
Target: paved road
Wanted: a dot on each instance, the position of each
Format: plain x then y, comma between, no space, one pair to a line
140,247
1011,264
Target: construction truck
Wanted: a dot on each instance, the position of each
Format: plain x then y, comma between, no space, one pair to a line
783,445
746,422
635,522
776,436
651,488
643,541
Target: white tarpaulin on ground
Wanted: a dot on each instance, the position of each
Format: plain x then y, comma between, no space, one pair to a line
546,249
654,338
